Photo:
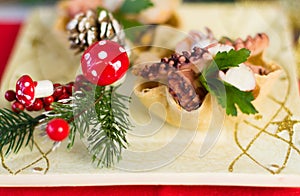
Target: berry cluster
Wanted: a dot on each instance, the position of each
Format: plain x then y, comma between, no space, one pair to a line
60,92
58,129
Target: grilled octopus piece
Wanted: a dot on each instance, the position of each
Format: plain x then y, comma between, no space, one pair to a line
256,44
180,73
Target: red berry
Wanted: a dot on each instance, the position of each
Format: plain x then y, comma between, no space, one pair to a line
38,105
48,100
29,108
69,87
79,86
80,78
10,95
104,62
56,85
17,107
48,108
64,96
57,129
80,82
59,91
87,88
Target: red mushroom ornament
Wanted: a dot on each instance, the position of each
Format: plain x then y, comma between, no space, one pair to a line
27,90
104,62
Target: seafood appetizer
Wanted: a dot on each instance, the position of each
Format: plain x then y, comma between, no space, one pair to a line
204,69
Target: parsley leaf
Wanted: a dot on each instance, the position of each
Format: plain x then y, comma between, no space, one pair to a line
233,58
209,79
135,6
236,97
228,96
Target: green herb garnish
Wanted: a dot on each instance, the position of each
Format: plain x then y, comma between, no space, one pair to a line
228,96
233,58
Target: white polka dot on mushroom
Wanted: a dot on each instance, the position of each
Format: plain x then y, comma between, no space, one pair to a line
122,49
117,65
19,92
27,84
101,43
87,56
102,55
28,97
94,73
31,89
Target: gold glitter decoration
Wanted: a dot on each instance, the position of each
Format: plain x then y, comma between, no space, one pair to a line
42,157
258,117
286,124
38,169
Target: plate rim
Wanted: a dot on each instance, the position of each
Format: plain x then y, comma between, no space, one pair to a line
146,178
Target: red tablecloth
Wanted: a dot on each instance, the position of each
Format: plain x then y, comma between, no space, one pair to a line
8,34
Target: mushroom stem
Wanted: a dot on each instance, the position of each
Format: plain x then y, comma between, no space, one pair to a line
44,88
120,81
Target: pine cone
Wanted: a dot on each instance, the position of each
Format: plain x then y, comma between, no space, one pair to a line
86,28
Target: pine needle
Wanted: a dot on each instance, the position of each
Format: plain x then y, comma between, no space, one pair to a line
16,130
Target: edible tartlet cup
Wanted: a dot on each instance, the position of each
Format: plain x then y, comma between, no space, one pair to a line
151,93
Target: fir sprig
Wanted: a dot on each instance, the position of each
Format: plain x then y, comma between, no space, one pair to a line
16,130
102,123
64,111
107,141
98,115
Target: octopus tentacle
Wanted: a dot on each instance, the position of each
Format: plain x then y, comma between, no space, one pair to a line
179,73
256,44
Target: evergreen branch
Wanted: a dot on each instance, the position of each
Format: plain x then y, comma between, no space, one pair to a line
103,123
64,111
77,111
16,130
85,115
107,140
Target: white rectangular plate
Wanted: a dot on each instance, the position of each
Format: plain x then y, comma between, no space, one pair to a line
243,153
